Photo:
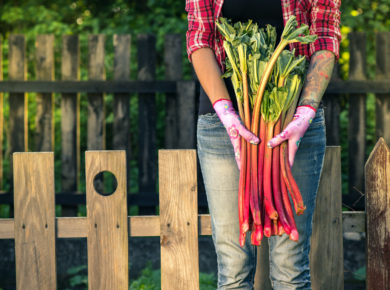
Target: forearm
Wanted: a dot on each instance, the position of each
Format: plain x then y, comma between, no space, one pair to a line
318,77
209,74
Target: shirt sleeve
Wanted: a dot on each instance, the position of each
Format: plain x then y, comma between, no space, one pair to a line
325,23
200,31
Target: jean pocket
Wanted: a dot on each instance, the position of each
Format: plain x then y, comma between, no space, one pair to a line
209,121
319,119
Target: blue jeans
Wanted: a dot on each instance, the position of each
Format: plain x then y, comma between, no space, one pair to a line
289,261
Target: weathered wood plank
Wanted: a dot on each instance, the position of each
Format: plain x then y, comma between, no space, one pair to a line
186,115
18,128
173,72
121,139
332,114
44,138
382,108
354,221
107,223
326,255
34,220
357,123
70,120
147,158
378,217
178,218
1,117
96,125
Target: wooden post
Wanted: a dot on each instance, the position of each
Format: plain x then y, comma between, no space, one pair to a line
147,158
382,109
326,255
1,118
34,225
186,114
122,101
18,129
378,217
70,120
178,220
357,122
44,140
332,114
107,223
173,72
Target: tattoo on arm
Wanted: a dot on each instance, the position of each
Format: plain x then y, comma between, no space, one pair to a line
318,77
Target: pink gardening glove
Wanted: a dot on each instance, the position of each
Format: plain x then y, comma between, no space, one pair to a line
234,126
295,131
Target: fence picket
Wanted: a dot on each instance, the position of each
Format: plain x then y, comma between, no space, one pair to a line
326,254
378,217
121,138
382,108
34,225
173,72
178,220
1,118
186,117
70,121
147,158
357,122
44,138
107,236
17,137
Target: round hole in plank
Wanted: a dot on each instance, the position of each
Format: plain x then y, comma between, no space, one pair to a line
105,183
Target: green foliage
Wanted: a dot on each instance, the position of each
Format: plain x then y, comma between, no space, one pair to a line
150,279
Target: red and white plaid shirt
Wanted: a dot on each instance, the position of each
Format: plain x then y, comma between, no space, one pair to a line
322,16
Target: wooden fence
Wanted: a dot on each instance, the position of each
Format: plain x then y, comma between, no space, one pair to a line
107,226
180,108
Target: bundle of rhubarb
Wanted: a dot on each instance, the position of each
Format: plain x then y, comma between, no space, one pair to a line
267,83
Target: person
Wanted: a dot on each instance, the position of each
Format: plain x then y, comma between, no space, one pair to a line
219,128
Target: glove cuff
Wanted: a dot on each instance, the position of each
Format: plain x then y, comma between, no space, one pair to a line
219,100
308,106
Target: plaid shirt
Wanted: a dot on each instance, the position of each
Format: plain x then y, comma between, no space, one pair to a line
322,16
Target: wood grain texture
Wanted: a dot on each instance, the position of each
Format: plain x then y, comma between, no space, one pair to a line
332,114
326,255
70,120
107,223
179,220
357,123
121,107
173,72
96,115
17,127
382,108
377,172
44,138
34,221
147,158
1,117
186,115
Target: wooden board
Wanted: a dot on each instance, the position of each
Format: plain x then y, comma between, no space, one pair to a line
378,217
70,120
44,138
382,108
179,220
34,221
17,126
356,123
121,107
326,255
173,71
186,115
107,237
147,158
96,125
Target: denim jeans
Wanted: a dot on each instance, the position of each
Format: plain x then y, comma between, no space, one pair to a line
289,261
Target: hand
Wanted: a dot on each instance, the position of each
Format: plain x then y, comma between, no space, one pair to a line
234,126
295,131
